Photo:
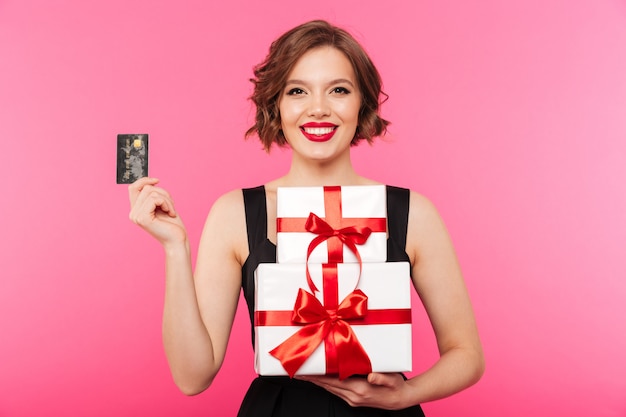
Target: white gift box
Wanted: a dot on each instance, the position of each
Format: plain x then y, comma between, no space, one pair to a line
340,207
387,286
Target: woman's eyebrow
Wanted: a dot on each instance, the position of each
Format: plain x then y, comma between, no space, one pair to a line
336,81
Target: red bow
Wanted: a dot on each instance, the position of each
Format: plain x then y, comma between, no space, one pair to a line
350,236
326,325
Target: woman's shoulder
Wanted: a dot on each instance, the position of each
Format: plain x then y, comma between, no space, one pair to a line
228,212
231,205
416,199
421,209
419,200
226,223
228,201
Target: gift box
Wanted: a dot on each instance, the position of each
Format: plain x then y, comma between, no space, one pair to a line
330,224
358,322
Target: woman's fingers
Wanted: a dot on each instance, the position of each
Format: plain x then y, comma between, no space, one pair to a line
381,379
152,209
378,390
135,188
149,202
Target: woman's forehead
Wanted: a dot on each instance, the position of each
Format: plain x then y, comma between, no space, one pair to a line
322,64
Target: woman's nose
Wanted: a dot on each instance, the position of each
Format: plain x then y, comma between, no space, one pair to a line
319,106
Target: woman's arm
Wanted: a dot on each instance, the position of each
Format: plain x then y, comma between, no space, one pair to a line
438,280
198,311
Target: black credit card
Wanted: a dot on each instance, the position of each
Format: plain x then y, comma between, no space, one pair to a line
132,157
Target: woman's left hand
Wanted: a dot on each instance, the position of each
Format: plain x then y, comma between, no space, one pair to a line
386,391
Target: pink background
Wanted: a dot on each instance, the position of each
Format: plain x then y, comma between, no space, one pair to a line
510,116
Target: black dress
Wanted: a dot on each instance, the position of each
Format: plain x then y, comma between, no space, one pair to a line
278,396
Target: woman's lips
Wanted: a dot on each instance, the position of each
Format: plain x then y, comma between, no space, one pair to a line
318,132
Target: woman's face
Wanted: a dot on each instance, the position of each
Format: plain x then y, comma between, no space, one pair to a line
319,106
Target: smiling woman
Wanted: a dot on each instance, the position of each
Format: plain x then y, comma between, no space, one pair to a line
318,93
320,104
271,77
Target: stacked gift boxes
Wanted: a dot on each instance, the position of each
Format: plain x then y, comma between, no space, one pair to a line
332,305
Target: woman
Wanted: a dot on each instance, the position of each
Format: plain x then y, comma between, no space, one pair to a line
318,93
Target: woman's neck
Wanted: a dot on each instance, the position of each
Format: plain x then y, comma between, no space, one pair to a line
322,173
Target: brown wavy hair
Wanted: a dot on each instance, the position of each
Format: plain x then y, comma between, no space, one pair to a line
270,78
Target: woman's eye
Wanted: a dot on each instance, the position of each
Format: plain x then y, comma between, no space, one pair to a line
341,90
295,91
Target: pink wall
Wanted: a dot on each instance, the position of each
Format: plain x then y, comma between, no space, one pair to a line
510,116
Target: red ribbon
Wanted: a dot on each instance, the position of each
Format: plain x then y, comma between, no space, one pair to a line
386,316
338,229
350,236
331,326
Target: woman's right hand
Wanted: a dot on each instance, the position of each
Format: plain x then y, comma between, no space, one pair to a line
153,210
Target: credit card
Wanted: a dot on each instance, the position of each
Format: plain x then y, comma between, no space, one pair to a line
132,157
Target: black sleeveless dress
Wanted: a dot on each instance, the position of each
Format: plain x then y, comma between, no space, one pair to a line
278,396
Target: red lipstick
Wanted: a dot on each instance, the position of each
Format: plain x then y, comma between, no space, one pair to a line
318,131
